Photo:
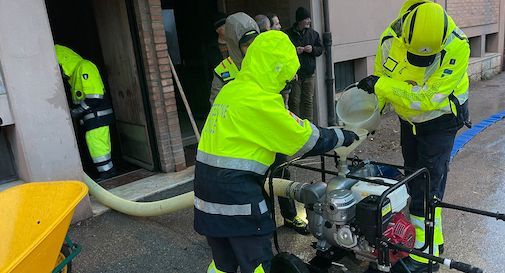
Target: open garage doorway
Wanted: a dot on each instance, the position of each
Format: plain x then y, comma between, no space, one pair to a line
100,31
192,44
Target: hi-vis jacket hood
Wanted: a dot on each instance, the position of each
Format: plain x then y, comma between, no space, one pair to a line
248,122
237,25
270,62
67,58
411,4
83,76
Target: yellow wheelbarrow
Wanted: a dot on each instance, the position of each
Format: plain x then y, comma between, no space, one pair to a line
34,219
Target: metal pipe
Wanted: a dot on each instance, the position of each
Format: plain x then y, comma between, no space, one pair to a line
498,216
329,80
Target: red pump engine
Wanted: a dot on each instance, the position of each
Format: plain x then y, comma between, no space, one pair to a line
401,232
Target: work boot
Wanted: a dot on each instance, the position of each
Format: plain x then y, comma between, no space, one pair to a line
413,266
107,175
297,224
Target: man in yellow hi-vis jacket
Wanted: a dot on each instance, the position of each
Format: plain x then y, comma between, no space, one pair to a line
247,125
421,70
89,107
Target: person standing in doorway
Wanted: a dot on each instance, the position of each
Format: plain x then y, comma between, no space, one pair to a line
308,47
89,107
287,206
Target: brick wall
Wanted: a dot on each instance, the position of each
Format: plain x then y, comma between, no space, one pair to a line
160,84
467,13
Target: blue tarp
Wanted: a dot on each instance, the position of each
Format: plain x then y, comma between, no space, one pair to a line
466,136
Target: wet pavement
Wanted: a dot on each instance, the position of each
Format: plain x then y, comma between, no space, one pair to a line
114,242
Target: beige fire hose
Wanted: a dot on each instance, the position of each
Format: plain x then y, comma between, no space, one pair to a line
156,208
133,208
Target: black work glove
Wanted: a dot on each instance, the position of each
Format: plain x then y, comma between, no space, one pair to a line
368,84
349,137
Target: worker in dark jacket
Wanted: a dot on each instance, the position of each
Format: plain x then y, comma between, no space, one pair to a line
308,47
247,125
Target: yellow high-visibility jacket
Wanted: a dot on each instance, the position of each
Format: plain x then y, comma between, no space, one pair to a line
420,94
83,76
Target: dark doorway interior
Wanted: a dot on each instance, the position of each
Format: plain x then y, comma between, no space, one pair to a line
195,59
73,24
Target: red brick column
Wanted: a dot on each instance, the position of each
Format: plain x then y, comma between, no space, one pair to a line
160,84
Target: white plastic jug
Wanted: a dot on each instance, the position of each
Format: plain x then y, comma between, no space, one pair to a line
358,109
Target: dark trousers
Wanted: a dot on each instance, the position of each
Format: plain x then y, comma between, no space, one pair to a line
245,252
301,97
431,148
288,208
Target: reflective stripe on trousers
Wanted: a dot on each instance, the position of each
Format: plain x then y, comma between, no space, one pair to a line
213,269
98,114
418,223
98,142
106,167
102,158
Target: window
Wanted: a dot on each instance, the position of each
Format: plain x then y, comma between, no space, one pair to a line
344,75
492,43
476,46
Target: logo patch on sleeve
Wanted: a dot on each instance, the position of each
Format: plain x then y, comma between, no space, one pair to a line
452,61
85,76
390,64
225,75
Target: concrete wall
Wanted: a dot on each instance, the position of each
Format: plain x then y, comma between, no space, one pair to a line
42,137
356,26
474,13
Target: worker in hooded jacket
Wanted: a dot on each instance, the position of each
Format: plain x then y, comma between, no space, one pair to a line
90,107
240,32
421,70
247,125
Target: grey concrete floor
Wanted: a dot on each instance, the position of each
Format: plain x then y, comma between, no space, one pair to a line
118,243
